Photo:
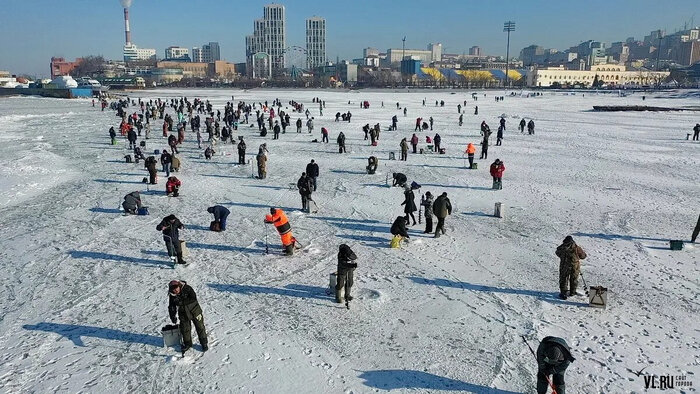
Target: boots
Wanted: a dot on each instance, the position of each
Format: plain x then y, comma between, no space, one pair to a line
339,297
180,260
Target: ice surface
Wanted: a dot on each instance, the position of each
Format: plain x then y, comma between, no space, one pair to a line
84,289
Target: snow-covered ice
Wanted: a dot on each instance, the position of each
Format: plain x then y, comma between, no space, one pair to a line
84,289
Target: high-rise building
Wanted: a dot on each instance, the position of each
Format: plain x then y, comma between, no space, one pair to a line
269,37
208,53
134,53
475,51
315,42
177,53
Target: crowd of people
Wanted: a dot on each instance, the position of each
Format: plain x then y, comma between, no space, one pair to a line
223,125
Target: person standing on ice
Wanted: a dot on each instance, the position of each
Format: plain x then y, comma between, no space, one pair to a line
696,132
441,208
341,142
131,136
113,135
531,127
499,135
170,226
553,358
409,204
471,150
262,163
281,223
182,303
570,256
346,272
427,203
485,142
241,151
522,125
312,172
436,141
394,122
305,186
298,123
414,143
404,149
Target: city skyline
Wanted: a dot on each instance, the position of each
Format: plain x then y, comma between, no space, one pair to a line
457,26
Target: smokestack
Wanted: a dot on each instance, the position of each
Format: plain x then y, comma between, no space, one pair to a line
127,31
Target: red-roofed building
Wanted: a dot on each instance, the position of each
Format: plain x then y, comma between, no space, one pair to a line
59,66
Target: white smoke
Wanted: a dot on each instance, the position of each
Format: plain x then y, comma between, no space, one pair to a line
125,3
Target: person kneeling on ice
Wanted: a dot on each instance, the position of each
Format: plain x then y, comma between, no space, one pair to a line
183,303
570,255
398,230
170,226
372,165
220,215
172,187
553,357
346,273
279,219
399,179
132,203
209,152
497,168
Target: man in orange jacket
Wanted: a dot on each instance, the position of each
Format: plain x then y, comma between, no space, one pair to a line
471,150
279,219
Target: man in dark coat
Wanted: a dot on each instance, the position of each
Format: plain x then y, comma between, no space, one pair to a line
182,303
312,172
399,179
131,136
427,203
341,142
441,208
399,227
553,357
570,255
305,187
132,203
409,204
220,215
113,135
522,125
436,140
241,151
170,226
346,269
485,142
166,160
696,132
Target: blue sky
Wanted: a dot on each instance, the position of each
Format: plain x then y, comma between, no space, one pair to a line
31,31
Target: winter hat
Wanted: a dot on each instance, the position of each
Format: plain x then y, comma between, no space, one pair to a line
174,284
569,239
272,210
553,355
210,209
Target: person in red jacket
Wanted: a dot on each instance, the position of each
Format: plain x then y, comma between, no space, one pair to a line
414,142
172,187
418,122
497,169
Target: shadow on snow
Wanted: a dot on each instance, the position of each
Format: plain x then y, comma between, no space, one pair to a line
81,254
75,333
290,290
391,379
552,297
